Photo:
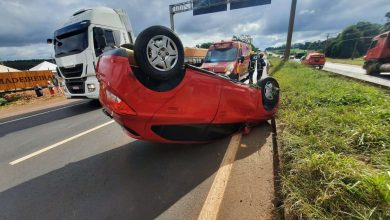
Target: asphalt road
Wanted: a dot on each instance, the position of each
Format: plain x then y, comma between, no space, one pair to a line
358,72
48,172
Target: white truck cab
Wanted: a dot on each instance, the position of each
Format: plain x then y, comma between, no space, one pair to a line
76,47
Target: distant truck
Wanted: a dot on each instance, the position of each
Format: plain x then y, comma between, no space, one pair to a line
81,39
314,59
377,59
194,56
228,57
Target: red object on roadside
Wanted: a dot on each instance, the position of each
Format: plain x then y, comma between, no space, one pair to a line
191,105
51,90
314,60
202,101
377,59
230,57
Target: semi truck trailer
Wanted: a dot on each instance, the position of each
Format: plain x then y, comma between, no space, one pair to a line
377,59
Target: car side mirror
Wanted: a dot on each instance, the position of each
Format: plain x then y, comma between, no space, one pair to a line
100,38
49,41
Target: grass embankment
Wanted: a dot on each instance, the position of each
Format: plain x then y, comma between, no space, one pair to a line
356,61
334,145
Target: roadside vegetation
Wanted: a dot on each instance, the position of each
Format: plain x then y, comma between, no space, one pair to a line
353,41
335,145
357,61
24,97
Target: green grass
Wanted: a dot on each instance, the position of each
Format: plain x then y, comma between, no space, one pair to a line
334,139
357,61
292,51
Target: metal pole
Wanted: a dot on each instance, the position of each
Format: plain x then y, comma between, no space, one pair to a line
354,49
290,29
326,43
171,17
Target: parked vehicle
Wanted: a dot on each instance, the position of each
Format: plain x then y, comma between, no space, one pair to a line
194,56
155,96
314,59
377,59
76,47
230,58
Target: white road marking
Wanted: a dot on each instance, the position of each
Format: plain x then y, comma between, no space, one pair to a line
58,144
214,198
30,116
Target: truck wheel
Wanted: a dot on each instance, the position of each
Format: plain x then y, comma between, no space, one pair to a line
372,72
269,92
159,53
320,67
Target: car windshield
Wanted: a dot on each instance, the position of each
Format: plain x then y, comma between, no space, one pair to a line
221,55
71,43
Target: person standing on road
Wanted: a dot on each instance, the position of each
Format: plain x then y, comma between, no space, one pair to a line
57,85
260,66
251,67
50,86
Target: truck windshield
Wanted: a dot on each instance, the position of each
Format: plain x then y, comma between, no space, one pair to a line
72,43
71,39
221,55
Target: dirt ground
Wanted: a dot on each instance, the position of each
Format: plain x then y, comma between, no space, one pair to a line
30,102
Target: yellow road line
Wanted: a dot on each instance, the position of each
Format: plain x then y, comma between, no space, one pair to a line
214,198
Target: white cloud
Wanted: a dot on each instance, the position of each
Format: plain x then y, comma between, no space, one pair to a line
306,12
32,51
248,28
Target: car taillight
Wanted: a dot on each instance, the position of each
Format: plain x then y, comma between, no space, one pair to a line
117,105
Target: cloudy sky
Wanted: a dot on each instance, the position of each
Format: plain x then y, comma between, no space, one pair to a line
26,24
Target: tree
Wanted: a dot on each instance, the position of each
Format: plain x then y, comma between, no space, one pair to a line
204,45
386,27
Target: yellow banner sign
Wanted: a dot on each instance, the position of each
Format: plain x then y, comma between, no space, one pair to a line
24,80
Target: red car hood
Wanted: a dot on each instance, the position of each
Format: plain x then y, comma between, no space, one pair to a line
216,67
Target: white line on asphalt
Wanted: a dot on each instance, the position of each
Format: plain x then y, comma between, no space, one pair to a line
58,144
30,116
213,201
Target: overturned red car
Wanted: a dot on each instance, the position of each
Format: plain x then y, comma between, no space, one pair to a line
149,90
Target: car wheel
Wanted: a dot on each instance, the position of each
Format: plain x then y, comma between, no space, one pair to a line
159,53
320,67
270,92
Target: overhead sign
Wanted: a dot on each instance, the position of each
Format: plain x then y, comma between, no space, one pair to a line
237,4
208,6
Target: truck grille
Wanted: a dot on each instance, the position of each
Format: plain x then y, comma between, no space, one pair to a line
76,86
75,71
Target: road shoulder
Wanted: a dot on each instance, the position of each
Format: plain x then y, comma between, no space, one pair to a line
250,191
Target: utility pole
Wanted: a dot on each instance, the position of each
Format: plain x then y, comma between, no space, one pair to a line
326,42
354,48
290,29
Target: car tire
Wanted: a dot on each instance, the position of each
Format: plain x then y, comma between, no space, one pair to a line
270,92
159,53
320,67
